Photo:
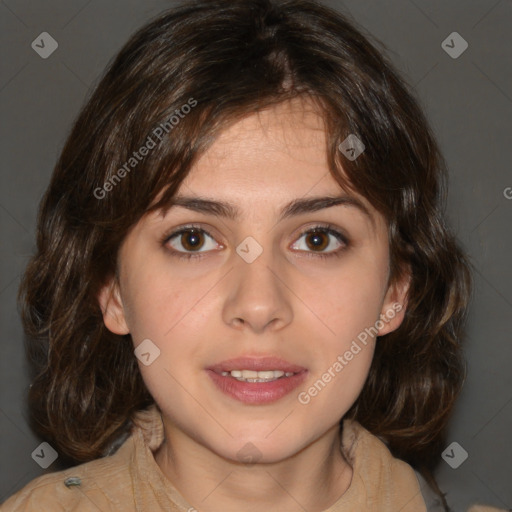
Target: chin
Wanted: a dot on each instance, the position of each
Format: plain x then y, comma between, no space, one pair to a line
259,450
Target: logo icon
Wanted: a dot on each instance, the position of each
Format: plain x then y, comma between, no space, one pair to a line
44,45
249,454
147,352
44,455
352,147
454,455
249,249
454,45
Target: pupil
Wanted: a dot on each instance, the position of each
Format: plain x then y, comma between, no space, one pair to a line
317,241
192,240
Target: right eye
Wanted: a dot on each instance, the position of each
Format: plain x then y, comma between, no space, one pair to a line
188,240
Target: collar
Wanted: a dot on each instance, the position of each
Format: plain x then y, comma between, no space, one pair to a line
379,481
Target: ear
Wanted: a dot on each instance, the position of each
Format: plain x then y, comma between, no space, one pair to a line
111,305
395,305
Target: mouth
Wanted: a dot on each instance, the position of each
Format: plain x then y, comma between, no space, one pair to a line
254,376
257,380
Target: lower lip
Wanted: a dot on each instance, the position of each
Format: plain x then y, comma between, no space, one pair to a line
257,393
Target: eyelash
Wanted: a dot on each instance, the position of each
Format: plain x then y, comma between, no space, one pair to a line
327,229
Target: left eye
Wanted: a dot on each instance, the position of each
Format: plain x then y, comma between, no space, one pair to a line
319,239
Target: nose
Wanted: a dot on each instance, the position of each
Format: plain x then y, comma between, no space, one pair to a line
258,297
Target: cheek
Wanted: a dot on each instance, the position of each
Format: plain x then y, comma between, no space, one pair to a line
161,304
331,393
175,318
348,302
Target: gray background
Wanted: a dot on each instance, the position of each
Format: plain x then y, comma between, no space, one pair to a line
468,101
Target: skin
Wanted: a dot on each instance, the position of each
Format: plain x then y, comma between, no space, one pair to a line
307,310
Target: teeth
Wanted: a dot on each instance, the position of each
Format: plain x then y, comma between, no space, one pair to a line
253,376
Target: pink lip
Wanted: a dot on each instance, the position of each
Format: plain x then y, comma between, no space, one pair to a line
257,393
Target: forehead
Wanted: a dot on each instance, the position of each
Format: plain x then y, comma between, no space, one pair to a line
277,150
273,162
284,144
273,156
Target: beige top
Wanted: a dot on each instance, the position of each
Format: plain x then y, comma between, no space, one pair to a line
130,480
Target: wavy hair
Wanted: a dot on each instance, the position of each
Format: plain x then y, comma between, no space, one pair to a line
233,58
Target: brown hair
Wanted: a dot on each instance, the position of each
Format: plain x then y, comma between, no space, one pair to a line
227,59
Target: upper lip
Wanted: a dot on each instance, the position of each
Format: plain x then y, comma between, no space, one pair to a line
256,364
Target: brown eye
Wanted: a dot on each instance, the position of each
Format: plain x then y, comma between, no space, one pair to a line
322,242
192,239
190,242
317,240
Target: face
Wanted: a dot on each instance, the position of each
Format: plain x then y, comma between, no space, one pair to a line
304,286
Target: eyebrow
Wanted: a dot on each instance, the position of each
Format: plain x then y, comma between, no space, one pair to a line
294,208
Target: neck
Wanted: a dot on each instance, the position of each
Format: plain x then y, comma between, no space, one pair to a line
312,479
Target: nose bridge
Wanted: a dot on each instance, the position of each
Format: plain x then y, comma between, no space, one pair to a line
257,296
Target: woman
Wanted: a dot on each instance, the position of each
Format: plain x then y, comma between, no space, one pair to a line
245,295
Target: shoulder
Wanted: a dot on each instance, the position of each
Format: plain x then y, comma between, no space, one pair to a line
102,484
371,456
379,478
373,462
